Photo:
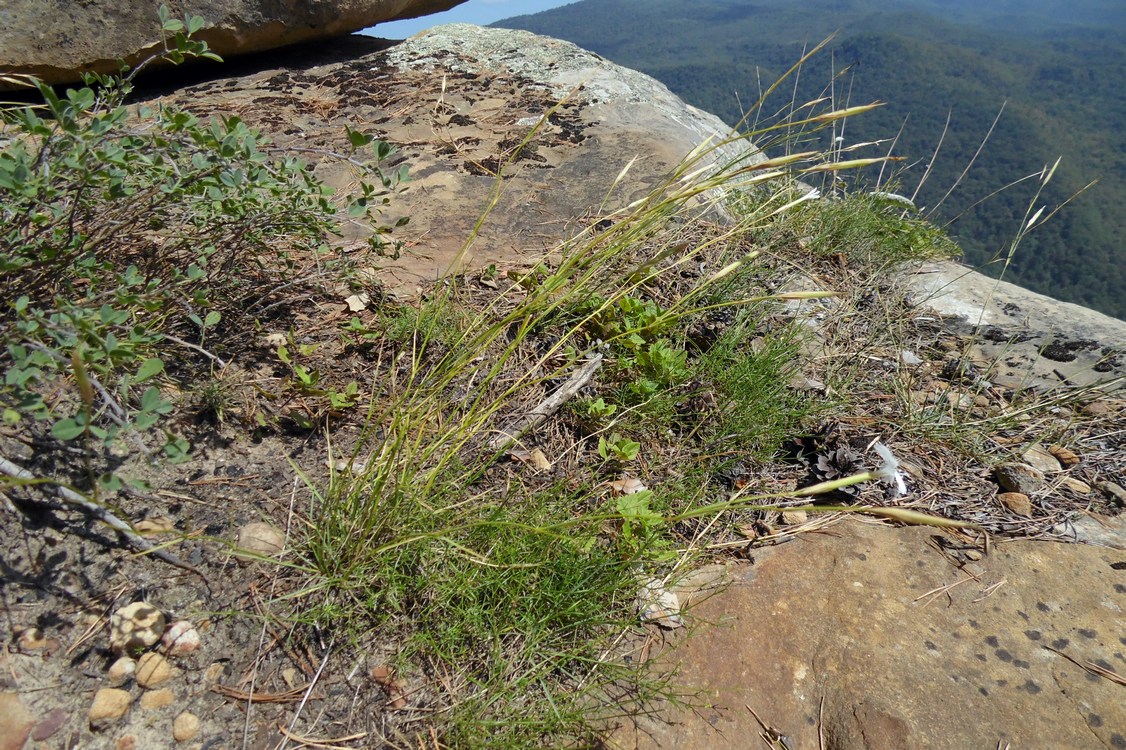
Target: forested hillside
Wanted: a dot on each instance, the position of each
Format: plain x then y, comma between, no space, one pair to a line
1061,68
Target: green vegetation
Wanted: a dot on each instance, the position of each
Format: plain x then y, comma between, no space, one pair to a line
516,565
1057,71
138,241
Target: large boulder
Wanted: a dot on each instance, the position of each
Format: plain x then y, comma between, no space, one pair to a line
458,100
874,638
1031,340
57,40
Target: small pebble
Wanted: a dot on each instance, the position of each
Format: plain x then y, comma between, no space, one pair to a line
1041,460
1076,486
109,705
31,639
157,525
261,539
185,727
49,724
135,627
794,517
1017,503
15,721
1065,456
152,670
154,699
122,670
1096,409
128,742
659,605
180,638
1020,478
214,672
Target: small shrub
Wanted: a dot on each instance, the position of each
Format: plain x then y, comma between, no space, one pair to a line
130,233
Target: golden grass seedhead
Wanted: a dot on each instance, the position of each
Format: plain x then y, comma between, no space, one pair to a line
917,518
850,164
803,295
838,114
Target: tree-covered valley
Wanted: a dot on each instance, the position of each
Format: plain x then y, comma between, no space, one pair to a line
1058,71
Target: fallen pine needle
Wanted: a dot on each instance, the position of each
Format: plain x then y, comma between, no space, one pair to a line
988,592
287,697
933,593
325,742
1093,668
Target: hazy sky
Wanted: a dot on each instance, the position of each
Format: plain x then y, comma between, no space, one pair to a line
475,11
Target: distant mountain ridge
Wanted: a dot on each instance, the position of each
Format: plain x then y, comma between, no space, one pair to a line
1061,69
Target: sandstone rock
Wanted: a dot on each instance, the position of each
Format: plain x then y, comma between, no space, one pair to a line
135,627
94,35
153,669
261,539
122,670
109,705
899,661
1017,503
154,699
1065,456
1020,478
493,86
185,727
15,722
1041,460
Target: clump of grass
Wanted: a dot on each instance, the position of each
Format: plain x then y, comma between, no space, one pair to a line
519,589
867,230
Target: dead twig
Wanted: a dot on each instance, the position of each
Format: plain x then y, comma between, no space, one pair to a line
308,692
289,696
771,736
325,742
546,408
105,516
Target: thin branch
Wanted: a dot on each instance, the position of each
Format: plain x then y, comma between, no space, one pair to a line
176,340
96,511
516,429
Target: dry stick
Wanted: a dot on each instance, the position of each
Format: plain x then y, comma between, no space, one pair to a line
548,406
103,515
308,692
195,347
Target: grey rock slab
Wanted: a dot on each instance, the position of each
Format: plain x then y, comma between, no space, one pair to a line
618,97
1098,530
872,639
1031,338
57,41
